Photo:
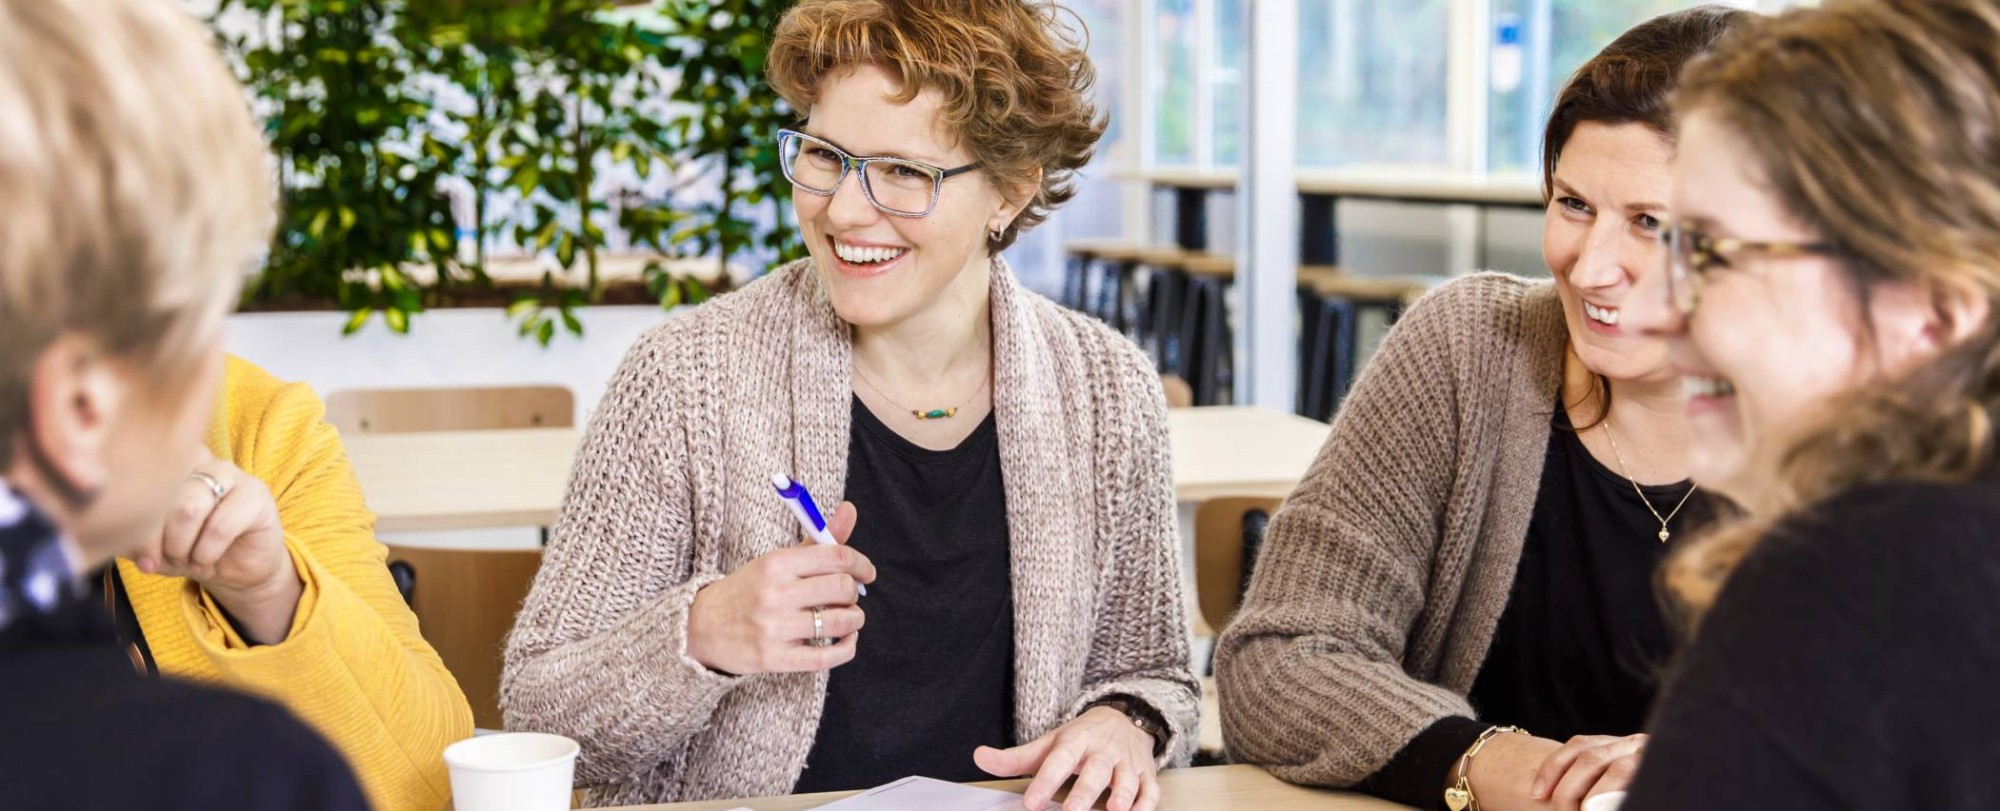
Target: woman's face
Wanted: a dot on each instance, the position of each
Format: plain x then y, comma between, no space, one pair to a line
1772,337
1601,233
881,269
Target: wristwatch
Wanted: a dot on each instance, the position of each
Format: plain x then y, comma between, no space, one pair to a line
1142,716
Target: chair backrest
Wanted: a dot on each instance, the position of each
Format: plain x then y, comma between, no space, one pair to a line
402,411
466,600
1179,393
1226,534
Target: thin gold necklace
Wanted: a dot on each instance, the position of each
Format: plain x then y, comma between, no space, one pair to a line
1625,471
923,414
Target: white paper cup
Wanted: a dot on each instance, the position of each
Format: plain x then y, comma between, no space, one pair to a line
512,771
1608,801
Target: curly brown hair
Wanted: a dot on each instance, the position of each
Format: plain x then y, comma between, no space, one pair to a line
1013,75
1874,122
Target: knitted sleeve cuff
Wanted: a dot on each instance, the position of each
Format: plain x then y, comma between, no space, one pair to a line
1417,774
1170,699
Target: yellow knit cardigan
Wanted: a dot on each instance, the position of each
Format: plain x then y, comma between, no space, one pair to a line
355,666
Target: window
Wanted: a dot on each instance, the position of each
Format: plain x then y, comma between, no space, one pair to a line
1537,44
1098,208
1232,38
1372,82
1172,82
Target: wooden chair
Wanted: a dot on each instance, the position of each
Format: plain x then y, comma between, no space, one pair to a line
1227,533
1331,306
1179,393
401,411
466,599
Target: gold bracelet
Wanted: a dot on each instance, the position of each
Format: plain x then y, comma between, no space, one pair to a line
1459,797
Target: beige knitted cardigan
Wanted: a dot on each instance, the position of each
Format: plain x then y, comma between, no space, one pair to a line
1382,577
671,491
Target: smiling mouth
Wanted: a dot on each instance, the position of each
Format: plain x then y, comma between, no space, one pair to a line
1706,386
1603,315
865,255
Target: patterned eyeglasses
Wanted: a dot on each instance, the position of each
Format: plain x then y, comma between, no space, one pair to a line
1692,253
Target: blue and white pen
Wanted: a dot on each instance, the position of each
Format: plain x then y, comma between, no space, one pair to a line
807,512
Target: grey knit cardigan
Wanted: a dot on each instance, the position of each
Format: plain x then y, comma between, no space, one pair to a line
671,491
1382,577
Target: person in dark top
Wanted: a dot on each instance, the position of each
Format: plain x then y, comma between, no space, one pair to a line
1848,663
84,730
1005,458
121,251
932,679
1833,296
1582,645
1457,604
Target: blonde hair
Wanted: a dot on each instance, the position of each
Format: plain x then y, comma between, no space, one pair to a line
135,190
1013,74
1877,124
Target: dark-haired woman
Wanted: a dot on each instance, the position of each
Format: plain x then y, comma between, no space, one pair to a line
1457,604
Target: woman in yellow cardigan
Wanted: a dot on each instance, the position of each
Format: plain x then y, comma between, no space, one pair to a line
267,577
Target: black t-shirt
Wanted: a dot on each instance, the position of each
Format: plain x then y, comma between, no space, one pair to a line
1851,661
1583,642
933,674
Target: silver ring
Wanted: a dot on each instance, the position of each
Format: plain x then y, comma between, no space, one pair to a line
214,484
819,639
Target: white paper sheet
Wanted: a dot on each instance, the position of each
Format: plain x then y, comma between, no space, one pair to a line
926,794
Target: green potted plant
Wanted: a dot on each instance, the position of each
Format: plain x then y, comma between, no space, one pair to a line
550,98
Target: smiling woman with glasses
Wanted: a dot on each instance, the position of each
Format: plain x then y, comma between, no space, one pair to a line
1003,463
1834,307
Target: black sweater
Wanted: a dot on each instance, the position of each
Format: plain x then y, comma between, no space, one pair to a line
1852,661
80,729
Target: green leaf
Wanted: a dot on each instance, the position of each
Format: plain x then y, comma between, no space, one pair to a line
571,323
566,250
521,306
399,321
318,227
355,321
547,332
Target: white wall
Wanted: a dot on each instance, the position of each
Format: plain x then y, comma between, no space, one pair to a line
446,348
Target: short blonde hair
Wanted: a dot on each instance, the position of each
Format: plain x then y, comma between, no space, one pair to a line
1015,77
135,188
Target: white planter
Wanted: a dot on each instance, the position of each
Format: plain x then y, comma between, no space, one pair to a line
445,348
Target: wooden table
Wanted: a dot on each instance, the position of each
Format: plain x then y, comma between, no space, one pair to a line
441,480
483,479
1240,451
1209,788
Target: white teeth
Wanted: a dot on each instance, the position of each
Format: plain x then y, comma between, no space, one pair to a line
1699,386
1600,314
865,256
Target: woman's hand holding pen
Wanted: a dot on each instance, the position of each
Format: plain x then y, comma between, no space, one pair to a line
761,618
